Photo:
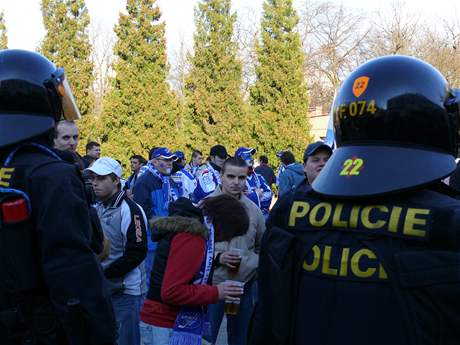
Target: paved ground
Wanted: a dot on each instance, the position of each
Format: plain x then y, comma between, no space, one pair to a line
222,337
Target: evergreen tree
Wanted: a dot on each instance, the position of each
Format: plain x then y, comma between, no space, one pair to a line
140,110
279,94
3,36
67,44
215,106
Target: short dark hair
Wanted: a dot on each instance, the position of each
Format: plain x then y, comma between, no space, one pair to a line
263,159
287,158
229,216
235,161
91,144
141,159
196,153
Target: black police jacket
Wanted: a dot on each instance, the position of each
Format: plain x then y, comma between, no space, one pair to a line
67,269
384,271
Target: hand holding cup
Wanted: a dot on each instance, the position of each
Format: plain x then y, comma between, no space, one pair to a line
231,258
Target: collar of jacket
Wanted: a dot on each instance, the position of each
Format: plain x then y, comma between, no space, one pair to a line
115,201
178,224
216,167
218,191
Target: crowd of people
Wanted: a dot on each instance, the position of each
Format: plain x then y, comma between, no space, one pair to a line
156,234
360,248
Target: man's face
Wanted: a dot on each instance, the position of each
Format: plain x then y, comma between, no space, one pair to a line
315,164
181,162
196,161
66,137
104,186
234,180
218,161
164,166
135,165
94,152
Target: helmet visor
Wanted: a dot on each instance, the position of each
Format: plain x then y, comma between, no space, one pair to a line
69,106
369,171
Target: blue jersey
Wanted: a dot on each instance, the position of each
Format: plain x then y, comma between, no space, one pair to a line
208,179
187,181
259,192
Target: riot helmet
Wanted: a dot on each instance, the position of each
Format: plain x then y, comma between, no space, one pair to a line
34,94
396,127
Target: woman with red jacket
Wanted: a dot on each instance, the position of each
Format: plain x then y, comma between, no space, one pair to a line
173,312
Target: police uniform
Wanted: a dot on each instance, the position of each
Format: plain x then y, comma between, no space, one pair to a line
51,287
369,254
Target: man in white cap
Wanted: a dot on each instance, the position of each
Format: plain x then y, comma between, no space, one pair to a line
124,225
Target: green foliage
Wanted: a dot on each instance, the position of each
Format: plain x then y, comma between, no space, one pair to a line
279,94
67,44
3,36
140,110
215,110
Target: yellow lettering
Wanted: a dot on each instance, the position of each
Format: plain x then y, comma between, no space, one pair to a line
314,213
5,176
355,263
316,258
365,217
354,216
394,219
382,273
344,262
363,106
327,269
343,110
298,210
353,109
336,221
411,221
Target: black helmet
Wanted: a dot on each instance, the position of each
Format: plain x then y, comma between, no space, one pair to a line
33,95
396,127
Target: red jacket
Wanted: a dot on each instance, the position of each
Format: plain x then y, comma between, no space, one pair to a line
186,255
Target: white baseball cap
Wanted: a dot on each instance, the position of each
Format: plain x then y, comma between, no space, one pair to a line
105,166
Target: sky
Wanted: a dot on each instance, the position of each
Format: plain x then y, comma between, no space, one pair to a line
25,27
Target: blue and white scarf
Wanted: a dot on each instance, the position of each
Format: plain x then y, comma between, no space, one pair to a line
214,173
191,323
169,195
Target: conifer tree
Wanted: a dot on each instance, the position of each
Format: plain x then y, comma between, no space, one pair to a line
3,36
67,44
140,110
279,94
214,101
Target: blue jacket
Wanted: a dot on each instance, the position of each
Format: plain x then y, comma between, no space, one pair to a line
254,182
290,178
148,193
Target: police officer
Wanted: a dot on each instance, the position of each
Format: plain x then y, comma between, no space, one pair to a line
370,253
51,285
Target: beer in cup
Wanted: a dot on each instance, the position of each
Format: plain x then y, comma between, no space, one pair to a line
231,307
239,252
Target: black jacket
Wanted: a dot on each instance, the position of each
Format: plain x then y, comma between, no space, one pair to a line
381,271
64,263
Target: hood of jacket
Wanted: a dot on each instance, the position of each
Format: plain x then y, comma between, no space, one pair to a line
178,224
296,168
